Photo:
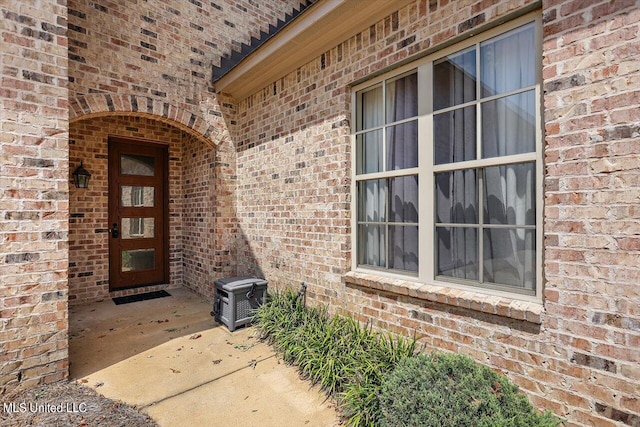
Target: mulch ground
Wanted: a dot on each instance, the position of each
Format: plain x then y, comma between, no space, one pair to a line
67,404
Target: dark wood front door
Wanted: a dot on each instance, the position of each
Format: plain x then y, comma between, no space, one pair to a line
137,211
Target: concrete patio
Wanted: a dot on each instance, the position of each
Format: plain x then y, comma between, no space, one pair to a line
169,358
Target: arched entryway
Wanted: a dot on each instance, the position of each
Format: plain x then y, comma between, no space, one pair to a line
176,241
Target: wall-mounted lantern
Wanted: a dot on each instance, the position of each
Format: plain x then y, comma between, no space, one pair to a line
81,177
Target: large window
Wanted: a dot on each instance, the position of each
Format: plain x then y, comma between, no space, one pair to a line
447,165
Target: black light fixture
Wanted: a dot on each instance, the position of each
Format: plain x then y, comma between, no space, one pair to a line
81,177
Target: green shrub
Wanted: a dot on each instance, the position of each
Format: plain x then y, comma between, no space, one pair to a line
348,360
452,390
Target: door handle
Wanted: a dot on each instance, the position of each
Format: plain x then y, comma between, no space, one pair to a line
114,230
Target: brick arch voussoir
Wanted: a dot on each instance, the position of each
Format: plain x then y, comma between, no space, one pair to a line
104,104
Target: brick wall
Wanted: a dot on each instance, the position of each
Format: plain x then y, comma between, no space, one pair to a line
165,50
577,354
225,223
592,203
197,223
293,181
33,194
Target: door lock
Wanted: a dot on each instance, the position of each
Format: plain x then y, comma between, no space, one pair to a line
114,230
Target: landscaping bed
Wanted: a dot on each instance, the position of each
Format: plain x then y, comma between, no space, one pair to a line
67,404
378,379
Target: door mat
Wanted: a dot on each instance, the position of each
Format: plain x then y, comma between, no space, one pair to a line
140,297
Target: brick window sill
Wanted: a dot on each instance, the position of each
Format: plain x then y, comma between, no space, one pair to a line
497,305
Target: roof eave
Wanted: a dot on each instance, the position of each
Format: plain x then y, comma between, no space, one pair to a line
319,28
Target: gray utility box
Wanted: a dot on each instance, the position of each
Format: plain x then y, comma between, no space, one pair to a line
236,300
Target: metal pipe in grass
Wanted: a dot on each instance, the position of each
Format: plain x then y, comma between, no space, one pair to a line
302,294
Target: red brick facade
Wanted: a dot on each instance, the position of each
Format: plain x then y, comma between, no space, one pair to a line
262,185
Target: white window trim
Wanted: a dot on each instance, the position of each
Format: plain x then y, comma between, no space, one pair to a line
426,229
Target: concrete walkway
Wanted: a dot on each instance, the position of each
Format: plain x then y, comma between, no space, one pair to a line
170,359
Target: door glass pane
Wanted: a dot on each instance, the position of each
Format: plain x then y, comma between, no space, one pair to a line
402,98
510,194
507,62
138,259
508,125
403,199
369,152
138,228
133,196
457,197
402,146
454,134
457,252
403,247
510,257
370,113
133,164
371,245
454,80
372,197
